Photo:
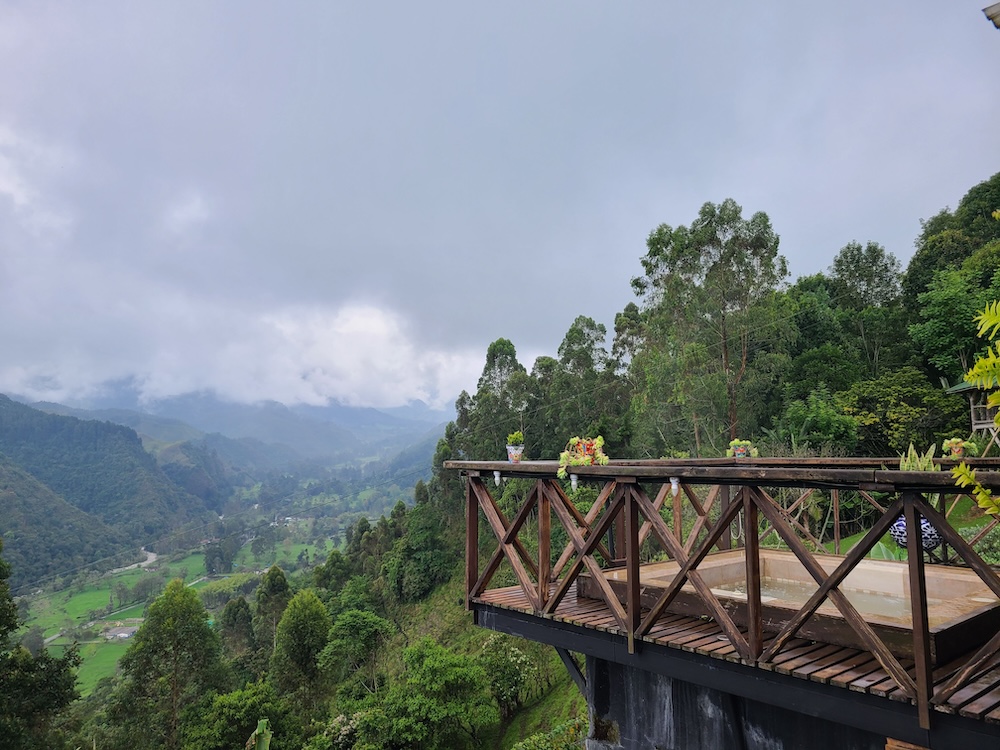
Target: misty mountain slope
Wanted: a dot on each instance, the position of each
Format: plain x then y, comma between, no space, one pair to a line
159,428
43,534
98,467
269,422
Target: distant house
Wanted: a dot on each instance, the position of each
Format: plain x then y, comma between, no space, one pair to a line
120,633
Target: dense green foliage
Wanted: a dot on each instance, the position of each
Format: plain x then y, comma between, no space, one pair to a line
98,467
172,664
43,534
34,687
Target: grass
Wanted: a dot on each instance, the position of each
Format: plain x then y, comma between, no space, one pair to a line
70,608
283,556
99,660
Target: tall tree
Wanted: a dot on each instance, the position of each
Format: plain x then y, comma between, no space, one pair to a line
173,663
866,284
273,596
236,626
865,276
945,250
498,407
711,282
301,636
974,214
946,332
355,638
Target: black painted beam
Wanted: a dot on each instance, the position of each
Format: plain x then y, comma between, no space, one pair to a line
861,710
574,669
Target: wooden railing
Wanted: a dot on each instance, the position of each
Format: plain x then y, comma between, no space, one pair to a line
734,495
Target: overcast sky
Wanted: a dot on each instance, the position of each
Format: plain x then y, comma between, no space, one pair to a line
351,200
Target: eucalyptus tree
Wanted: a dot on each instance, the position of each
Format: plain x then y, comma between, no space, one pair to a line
707,289
866,285
174,661
498,406
301,636
581,387
273,596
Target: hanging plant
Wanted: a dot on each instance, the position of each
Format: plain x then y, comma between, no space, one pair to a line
582,451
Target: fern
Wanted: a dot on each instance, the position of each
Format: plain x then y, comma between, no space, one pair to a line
966,477
984,374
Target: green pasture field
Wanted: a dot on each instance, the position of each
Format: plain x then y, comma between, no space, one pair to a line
98,659
245,560
195,564
54,611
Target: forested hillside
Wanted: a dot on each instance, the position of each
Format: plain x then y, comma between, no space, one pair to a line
44,535
98,467
371,647
719,345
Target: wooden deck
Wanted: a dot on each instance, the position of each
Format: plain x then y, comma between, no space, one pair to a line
846,668
918,687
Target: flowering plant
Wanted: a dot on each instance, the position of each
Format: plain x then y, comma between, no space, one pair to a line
580,451
741,449
955,447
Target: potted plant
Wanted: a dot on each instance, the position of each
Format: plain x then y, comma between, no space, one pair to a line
955,447
913,460
741,449
515,446
582,451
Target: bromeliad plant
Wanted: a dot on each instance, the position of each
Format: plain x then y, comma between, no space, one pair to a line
956,447
742,449
984,374
582,451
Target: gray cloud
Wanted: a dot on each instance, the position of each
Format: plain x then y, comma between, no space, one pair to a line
345,200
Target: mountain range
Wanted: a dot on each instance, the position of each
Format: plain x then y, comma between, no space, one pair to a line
79,485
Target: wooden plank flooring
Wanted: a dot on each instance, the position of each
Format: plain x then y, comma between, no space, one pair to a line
847,668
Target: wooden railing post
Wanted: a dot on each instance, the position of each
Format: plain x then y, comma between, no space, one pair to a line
918,606
633,613
755,625
678,512
544,543
471,537
835,499
725,541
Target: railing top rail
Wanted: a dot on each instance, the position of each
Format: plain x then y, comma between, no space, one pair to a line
826,473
